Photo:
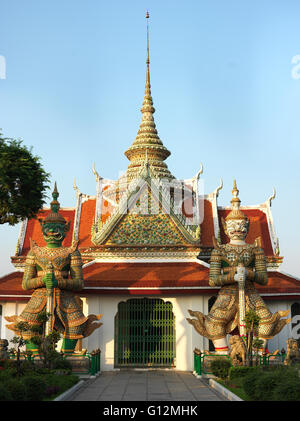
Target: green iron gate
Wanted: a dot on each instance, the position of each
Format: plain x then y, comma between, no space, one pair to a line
145,333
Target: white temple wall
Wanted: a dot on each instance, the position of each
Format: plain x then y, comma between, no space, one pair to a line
9,309
186,337
279,341
103,337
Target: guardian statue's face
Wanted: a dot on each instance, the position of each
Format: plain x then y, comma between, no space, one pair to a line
237,229
54,234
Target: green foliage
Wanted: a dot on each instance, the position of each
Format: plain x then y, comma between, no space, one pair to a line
62,383
220,368
23,326
19,341
23,182
266,384
8,372
35,387
288,390
46,344
249,385
62,364
36,384
240,372
252,320
5,394
13,368
257,344
36,340
55,360
43,317
16,389
263,385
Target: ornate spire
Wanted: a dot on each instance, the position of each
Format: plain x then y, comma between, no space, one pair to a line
54,216
147,137
148,60
235,213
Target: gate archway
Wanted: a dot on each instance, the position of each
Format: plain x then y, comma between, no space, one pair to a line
145,333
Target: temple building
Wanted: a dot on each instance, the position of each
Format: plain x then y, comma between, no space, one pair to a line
145,240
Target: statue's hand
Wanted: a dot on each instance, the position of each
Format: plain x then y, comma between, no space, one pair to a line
50,281
241,274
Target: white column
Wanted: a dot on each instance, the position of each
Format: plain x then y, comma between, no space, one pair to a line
8,309
187,339
103,337
279,341
1,318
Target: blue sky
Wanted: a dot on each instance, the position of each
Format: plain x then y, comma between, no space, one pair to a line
222,85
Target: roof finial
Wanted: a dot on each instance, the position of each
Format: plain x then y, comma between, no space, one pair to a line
148,60
55,204
235,212
235,201
147,136
54,216
235,191
55,189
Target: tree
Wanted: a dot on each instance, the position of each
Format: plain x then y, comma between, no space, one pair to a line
45,344
252,320
23,182
19,341
257,345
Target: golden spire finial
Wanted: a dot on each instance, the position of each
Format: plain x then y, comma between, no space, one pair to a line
147,138
235,212
55,188
235,201
148,60
235,190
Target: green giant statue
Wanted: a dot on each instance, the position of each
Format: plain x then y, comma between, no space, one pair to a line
54,273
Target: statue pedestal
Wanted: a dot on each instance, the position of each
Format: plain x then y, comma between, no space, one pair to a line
81,364
85,364
3,349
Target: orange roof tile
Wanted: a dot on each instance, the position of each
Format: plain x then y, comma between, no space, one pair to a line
88,210
11,287
153,278
207,227
151,274
86,221
280,283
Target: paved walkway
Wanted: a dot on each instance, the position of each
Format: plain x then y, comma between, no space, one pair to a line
146,386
